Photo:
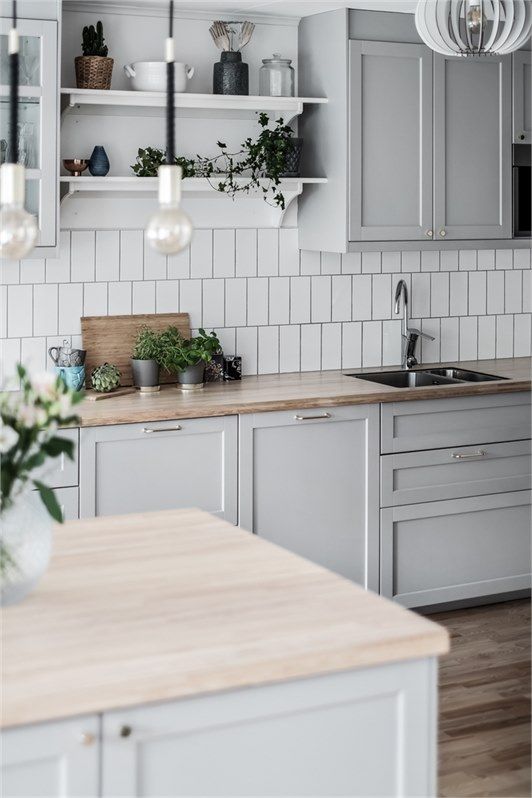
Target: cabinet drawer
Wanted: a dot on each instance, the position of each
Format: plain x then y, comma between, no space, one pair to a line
437,474
452,550
62,472
438,423
69,502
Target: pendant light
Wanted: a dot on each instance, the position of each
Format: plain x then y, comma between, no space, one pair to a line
18,228
474,27
169,230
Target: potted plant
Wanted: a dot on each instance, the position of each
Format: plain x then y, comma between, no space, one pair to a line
145,360
94,68
187,357
28,437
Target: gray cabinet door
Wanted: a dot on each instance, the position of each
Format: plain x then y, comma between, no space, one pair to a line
522,96
457,549
309,481
135,468
390,141
472,147
52,760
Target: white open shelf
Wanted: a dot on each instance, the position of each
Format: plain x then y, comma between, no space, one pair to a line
222,104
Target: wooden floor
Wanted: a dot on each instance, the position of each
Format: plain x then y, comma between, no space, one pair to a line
485,702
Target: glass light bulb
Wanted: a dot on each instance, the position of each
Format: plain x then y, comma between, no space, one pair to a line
18,232
475,19
169,229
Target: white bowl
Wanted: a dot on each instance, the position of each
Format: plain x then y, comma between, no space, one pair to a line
151,75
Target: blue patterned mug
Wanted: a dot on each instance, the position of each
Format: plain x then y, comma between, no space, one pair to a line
72,376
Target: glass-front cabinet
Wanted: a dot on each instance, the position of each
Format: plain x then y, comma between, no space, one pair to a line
37,118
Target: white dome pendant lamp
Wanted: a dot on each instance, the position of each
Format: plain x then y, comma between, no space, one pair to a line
169,229
474,27
18,228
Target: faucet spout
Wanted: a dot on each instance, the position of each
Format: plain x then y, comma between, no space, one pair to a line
401,289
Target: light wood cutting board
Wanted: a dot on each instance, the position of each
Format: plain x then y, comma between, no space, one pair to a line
110,339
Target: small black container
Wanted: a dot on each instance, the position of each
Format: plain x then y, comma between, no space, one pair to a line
232,368
292,158
230,75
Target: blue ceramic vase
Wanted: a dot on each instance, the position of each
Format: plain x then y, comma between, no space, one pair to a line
98,162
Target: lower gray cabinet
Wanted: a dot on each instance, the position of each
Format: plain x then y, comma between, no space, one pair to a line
458,549
69,502
309,481
52,760
134,468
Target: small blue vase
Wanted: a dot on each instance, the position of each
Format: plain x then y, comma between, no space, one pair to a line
98,162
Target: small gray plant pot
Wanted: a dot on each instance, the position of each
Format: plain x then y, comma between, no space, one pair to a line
191,378
145,375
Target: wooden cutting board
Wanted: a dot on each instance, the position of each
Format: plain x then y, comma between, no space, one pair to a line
110,339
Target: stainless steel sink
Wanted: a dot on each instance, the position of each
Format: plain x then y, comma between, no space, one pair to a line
425,377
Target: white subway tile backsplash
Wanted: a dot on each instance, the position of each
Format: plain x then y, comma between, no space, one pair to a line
477,293
513,291
391,262
439,294
299,300
288,251
391,342
331,263
430,350
289,348
430,260
224,253
154,263
70,308
362,292
320,299
166,296
352,345
310,262
32,271
107,255
119,299
420,295
33,354
246,347
486,259
486,337
236,302
310,347
382,291
410,261
371,262
58,269
371,343
495,302
213,303
9,357
449,260
201,254
527,292
3,311
467,260
83,256
503,258
341,297
268,253
178,266
522,335
458,302
190,301
268,350
522,258
131,254
449,339
257,301
504,336
352,263
468,338
45,309
10,271
227,337
331,346
94,299
144,297
246,253
20,311
279,300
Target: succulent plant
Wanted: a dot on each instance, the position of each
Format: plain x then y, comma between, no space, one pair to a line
93,41
105,378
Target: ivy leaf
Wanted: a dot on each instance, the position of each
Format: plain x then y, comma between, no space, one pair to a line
221,145
49,500
56,446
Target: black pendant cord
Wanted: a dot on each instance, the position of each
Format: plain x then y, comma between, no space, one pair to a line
170,87
13,97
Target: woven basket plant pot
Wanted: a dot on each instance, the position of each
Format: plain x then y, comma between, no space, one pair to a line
93,71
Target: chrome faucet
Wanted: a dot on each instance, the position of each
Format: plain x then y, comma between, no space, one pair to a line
409,335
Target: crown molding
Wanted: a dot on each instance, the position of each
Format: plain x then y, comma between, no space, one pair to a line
160,9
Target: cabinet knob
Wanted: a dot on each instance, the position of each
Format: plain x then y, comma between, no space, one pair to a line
429,233
125,731
443,233
86,738
521,137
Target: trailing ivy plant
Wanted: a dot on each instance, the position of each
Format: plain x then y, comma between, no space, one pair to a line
177,353
261,161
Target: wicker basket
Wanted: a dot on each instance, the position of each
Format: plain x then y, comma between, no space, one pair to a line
93,71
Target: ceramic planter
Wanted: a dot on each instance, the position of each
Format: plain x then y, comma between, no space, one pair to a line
145,375
191,378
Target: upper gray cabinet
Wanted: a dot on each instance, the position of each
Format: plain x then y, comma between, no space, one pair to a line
416,146
391,98
522,96
472,147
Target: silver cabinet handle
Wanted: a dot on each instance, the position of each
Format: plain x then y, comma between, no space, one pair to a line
443,233
429,233
149,430
312,418
86,738
468,455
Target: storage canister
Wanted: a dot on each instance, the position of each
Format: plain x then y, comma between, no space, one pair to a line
276,77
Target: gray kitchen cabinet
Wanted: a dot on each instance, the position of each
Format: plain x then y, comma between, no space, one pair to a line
52,760
390,97
472,147
69,503
132,468
308,481
522,97
458,549
62,472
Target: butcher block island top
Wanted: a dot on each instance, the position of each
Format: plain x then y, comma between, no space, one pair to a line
292,391
159,606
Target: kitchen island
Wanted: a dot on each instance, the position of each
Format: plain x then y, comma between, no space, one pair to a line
172,654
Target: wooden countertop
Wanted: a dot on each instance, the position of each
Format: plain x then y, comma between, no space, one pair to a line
291,391
159,606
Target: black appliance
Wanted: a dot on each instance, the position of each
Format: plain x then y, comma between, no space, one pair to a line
522,189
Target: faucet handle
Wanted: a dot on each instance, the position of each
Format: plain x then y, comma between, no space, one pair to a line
413,331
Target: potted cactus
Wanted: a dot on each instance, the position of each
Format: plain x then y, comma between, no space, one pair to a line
105,378
145,360
94,68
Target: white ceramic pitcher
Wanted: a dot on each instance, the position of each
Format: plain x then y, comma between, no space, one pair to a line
151,75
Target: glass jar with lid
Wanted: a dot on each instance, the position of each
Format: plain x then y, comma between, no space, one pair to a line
276,77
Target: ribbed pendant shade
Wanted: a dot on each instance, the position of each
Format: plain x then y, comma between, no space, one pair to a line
474,27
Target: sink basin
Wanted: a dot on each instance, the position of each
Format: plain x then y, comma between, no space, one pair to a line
426,377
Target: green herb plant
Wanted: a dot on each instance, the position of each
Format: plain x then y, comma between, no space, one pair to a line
147,345
93,42
178,353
